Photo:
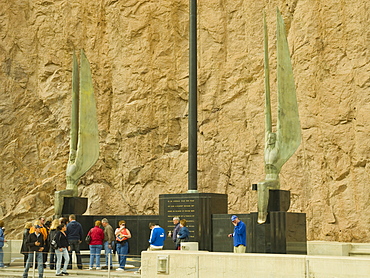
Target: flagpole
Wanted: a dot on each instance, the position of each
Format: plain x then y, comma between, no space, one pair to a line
193,95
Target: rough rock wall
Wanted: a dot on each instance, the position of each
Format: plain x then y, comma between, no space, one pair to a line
138,51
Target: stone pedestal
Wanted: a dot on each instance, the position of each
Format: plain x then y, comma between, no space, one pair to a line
283,233
74,205
279,200
197,209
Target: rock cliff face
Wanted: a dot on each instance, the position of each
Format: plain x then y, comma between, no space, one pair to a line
138,51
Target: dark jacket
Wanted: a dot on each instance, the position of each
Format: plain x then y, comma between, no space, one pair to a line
2,237
184,233
61,239
24,248
175,232
74,231
52,234
31,240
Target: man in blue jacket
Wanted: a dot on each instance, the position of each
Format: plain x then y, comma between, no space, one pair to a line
156,240
239,235
157,237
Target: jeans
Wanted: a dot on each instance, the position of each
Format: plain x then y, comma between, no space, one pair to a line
53,258
108,252
75,246
45,257
25,259
122,250
1,257
40,263
60,255
95,254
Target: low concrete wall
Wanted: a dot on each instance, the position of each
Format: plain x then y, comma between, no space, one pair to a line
200,264
338,267
334,248
213,264
325,248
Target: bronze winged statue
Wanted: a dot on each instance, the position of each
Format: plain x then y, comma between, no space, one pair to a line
282,144
84,141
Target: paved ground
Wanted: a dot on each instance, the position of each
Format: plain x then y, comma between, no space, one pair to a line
15,269
11,272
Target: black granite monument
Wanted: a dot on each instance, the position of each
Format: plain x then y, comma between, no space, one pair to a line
282,233
74,205
197,209
137,224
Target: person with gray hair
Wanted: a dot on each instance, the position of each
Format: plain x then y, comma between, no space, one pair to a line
176,222
108,242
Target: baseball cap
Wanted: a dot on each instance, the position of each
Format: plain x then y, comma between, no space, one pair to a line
233,217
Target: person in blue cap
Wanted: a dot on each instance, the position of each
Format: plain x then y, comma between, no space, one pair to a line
239,235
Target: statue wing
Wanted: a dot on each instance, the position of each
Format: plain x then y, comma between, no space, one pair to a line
88,138
75,104
288,125
268,120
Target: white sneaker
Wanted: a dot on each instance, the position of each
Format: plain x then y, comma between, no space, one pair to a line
90,268
98,268
120,269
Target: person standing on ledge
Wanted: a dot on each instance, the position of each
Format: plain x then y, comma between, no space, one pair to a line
239,235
